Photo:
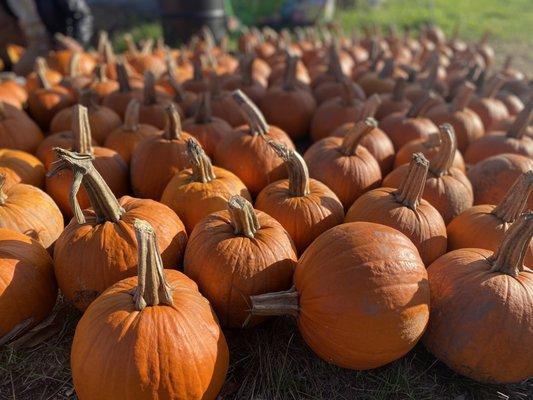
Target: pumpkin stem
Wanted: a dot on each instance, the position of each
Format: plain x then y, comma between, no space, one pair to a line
296,167
82,130
204,113
40,64
179,92
103,201
74,65
433,66
3,196
256,120
350,92
246,68
173,128
214,86
509,258
103,38
420,107
149,93
87,99
202,169
334,66
152,288
131,116
357,132
494,86
277,303
289,77
370,106
521,122
463,96
388,68
410,191
198,73
123,77
398,92
130,44
515,200
444,160
433,140
100,73
243,217
42,80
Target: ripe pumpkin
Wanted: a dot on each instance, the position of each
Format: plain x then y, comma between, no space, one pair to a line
246,152
17,130
222,104
474,292
360,296
124,139
305,207
237,253
118,100
52,76
156,159
395,101
28,289
491,111
196,192
345,166
447,188
21,167
175,348
154,104
248,79
102,86
100,238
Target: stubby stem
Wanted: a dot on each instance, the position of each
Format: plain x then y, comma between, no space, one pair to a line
515,200
204,114
296,167
388,68
173,128
521,122
463,96
277,303
357,132
3,196
289,78
256,120
398,93
444,160
149,93
243,217
130,43
152,288
131,116
370,107
509,258
81,129
202,169
410,191
422,105
123,77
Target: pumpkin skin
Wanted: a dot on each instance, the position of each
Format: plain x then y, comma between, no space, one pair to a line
17,130
118,100
21,167
229,267
28,289
65,140
46,102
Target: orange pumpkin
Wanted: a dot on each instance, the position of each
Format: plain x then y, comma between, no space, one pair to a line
491,110
118,100
395,101
52,76
155,102
102,86
21,167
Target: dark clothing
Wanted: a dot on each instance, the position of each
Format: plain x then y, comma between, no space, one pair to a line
70,17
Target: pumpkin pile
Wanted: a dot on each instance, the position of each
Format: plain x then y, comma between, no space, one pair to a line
378,190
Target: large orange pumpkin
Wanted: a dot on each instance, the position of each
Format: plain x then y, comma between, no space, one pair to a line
149,337
361,296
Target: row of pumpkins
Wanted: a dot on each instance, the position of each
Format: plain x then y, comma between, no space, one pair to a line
339,238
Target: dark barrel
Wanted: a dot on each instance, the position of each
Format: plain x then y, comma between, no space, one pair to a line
184,18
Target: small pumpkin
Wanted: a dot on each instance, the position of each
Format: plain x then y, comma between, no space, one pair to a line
169,311
396,101
52,76
152,110
304,206
102,86
118,100
247,79
17,130
482,309
237,253
222,104
491,111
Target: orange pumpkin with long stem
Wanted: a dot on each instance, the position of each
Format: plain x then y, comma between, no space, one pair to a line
102,86
152,110
119,99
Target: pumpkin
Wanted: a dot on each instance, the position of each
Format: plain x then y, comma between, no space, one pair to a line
125,138
21,167
293,96
28,289
17,130
491,111
100,238
152,110
492,177
107,162
144,61
466,123
163,360
32,80
404,209
378,83
447,188
102,86
222,104
60,60
236,253
483,226
360,296
430,148
482,309
196,192
102,120
345,166
247,154
198,83
118,100
74,80
514,141
395,101
28,210
247,79
12,90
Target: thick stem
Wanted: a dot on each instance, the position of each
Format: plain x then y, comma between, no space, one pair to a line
521,122
202,169
149,92
100,73
131,117
109,54
289,77
152,288
179,93
130,44
350,93
278,303
103,201
494,85
123,77
204,113
147,46
370,107
103,38
398,93
334,66
74,65
509,258
350,142
515,200
410,191
243,217
87,99
246,68
388,68
3,196
81,129
42,80
463,96
173,129
444,160
422,105
296,167
433,66
256,120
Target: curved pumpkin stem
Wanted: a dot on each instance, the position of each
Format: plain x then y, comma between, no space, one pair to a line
370,106
277,303
204,114
422,106
131,116
350,142
173,129
42,80
410,191
494,85
103,201
443,162
289,77
81,129
521,122
350,93
123,77
149,93
463,96
152,288
515,200
243,217
509,258
202,169
256,120
296,167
